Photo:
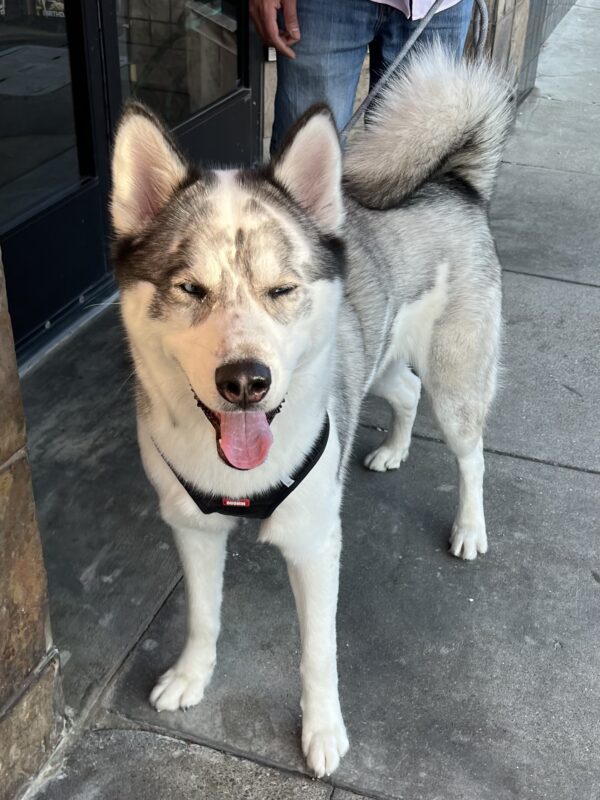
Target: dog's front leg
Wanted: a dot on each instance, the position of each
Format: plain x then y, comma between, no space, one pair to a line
202,554
315,585
310,540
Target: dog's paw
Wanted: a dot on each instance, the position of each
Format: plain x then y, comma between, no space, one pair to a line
467,542
180,687
324,747
385,457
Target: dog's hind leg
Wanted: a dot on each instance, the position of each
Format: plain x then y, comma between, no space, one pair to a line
468,537
402,389
202,554
460,380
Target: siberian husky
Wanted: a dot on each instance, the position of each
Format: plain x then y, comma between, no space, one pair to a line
261,305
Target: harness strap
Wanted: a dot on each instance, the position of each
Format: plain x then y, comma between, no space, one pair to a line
262,505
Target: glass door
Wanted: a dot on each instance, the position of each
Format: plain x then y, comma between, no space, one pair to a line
65,70
195,63
38,151
52,176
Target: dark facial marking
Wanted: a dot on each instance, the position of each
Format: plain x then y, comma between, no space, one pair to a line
252,244
150,255
256,208
328,261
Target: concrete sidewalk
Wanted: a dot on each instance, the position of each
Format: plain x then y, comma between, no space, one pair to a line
458,681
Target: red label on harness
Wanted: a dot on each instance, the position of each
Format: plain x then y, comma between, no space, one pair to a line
243,502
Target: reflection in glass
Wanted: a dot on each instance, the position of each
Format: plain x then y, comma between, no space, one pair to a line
178,56
37,137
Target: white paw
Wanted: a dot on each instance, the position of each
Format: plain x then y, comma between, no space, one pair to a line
180,687
466,542
324,747
386,457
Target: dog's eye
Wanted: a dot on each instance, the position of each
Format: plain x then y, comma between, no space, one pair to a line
193,288
280,291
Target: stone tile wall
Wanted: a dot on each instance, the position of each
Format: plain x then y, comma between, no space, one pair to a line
153,44
30,698
507,33
176,57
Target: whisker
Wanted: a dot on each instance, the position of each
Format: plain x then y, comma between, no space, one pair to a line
125,382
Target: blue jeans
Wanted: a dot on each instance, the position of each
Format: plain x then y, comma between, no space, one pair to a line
330,54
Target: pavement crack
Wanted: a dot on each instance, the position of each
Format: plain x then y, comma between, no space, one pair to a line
550,169
507,454
550,277
572,390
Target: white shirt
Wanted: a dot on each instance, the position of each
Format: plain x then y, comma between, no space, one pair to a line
419,7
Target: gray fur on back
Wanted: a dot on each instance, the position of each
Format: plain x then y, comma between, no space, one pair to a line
393,260
416,180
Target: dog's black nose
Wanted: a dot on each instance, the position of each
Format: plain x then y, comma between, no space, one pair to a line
243,382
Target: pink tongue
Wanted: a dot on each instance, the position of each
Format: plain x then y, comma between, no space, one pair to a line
246,438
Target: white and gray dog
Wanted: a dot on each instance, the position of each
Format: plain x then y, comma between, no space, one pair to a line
262,305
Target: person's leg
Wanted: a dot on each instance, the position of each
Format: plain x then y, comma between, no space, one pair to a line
329,57
449,26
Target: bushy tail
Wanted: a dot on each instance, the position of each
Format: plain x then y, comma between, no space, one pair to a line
437,117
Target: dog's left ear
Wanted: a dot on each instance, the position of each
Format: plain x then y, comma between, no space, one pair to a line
146,169
309,167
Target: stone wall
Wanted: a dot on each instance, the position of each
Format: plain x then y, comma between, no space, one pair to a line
153,55
30,696
508,32
177,57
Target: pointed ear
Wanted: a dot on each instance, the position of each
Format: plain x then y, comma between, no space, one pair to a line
146,169
309,167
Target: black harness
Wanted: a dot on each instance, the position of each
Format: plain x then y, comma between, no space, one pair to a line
262,505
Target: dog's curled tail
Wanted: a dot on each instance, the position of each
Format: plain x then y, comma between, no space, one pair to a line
437,117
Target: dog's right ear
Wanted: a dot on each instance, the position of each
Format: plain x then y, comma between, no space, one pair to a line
146,169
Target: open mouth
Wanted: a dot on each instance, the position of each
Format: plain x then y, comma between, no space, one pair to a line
244,438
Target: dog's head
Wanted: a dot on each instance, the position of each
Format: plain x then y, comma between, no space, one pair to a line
230,278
